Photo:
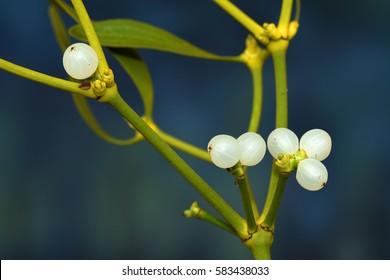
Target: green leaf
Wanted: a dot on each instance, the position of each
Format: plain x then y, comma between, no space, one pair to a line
66,8
86,113
58,28
137,69
127,33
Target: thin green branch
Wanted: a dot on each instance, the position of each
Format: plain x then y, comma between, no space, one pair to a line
222,207
66,9
248,202
278,51
268,219
271,191
257,99
297,10
252,199
45,79
184,146
254,57
240,174
90,32
240,16
196,212
285,17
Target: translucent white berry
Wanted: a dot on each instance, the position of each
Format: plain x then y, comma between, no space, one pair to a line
224,151
80,61
316,143
282,141
312,174
252,147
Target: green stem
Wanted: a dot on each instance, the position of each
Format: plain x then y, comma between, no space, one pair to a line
240,16
261,241
254,57
252,200
285,17
201,214
66,8
271,208
248,201
278,51
297,10
45,79
184,146
240,174
222,207
90,32
271,191
260,244
210,218
257,101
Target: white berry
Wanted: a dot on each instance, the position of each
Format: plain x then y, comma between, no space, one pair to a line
80,61
316,143
282,141
311,174
252,147
224,151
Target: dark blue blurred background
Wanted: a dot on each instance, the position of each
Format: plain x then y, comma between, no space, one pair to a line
66,194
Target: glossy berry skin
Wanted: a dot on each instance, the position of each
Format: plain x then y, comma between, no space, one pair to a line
316,143
252,148
311,174
224,151
282,141
80,61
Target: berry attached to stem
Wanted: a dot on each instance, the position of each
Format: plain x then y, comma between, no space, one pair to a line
80,61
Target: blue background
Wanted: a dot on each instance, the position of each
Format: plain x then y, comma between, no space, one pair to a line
66,194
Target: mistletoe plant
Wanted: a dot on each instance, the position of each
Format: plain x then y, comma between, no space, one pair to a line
92,78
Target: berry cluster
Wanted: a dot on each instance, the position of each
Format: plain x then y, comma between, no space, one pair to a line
304,155
226,151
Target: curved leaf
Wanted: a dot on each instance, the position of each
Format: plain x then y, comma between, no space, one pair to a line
59,28
83,108
66,8
137,69
128,33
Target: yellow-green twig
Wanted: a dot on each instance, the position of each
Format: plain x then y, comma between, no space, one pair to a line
240,16
90,32
45,79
